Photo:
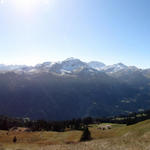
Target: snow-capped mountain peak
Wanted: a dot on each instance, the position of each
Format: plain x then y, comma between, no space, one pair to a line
45,64
72,59
115,67
96,65
72,64
68,66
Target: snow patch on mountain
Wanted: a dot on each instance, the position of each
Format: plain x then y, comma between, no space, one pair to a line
73,64
96,65
115,68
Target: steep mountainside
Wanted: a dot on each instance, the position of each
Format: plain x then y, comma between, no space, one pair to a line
72,89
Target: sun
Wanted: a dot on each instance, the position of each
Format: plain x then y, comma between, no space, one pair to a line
29,6
26,5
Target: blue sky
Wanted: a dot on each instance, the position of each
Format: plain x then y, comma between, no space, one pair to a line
109,31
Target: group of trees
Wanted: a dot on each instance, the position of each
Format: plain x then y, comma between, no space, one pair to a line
130,119
7,123
75,124
59,126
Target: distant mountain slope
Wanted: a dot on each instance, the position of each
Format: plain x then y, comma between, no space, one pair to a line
72,89
10,67
51,96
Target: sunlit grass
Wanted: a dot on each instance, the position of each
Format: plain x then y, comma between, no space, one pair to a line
120,137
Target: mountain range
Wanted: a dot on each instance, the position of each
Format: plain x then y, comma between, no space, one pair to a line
68,66
72,89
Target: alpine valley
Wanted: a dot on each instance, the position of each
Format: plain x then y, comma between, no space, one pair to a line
72,89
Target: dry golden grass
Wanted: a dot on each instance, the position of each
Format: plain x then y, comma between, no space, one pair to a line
135,137
45,138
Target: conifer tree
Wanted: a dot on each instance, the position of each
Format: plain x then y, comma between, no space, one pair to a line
15,139
86,136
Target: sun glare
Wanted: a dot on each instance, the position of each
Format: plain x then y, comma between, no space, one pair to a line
28,6
25,5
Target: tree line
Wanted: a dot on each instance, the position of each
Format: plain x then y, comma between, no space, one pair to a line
7,123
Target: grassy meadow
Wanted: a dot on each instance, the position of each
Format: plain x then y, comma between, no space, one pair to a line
120,137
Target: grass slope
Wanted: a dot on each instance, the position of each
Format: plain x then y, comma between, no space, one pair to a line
120,137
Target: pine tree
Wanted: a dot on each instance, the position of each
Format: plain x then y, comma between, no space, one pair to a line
86,136
15,139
